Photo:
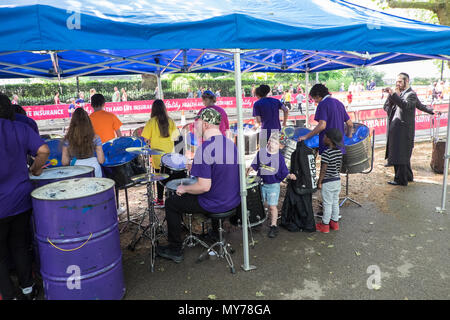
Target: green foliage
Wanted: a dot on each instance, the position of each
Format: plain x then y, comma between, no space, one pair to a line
424,81
175,86
365,74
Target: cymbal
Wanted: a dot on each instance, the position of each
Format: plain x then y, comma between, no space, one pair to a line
153,177
144,151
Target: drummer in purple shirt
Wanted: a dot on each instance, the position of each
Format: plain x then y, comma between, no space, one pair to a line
330,113
267,113
216,167
17,140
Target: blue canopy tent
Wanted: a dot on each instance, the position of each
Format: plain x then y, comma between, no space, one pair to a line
59,39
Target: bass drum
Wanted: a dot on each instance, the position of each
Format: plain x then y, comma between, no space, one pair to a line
255,207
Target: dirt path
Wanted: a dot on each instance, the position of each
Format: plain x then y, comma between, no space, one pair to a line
371,187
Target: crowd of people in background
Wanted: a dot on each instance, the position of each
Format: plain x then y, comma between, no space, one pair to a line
293,96
437,91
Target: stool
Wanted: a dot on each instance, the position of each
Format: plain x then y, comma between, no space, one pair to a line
221,244
191,240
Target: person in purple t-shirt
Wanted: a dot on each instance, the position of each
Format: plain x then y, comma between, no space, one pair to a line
17,140
330,113
209,100
267,113
217,189
271,167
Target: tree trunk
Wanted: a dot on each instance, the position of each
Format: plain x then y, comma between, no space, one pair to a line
149,82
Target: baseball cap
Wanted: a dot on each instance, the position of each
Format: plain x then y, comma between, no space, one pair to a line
208,94
335,135
210,115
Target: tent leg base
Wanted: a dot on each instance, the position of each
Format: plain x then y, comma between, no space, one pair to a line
250,267
441,210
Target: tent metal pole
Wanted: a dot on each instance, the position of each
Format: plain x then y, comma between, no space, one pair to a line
442,209
241,159
160,91
307,97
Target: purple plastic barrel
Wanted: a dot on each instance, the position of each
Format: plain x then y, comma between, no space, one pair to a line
54,174
78,238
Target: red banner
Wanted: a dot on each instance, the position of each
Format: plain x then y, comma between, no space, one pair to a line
60,111
377,119
373,118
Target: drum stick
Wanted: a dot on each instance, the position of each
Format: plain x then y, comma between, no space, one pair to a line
46,165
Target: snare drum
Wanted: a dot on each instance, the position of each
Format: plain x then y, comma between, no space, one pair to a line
171,186
174,164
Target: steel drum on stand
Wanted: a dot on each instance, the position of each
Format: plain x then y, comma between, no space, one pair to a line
119,164
251,137
358,150
50,175
289,136
78,239
54,174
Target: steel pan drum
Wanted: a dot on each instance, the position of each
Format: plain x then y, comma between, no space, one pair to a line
289,147
358,150
295,132
251,137
50,175
289,136
78,237
54,159
119,164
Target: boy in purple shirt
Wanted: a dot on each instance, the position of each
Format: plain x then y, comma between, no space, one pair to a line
216,167
271,167
17,140
330,113
267,113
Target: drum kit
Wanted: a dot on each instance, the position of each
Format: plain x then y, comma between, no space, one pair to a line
128,163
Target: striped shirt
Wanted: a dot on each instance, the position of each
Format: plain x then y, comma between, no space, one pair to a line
333,158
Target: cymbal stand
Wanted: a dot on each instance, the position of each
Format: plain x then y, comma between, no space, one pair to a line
154,230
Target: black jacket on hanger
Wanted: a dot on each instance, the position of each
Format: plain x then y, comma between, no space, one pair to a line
297,212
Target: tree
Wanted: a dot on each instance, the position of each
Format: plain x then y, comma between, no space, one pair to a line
440,10
440,7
